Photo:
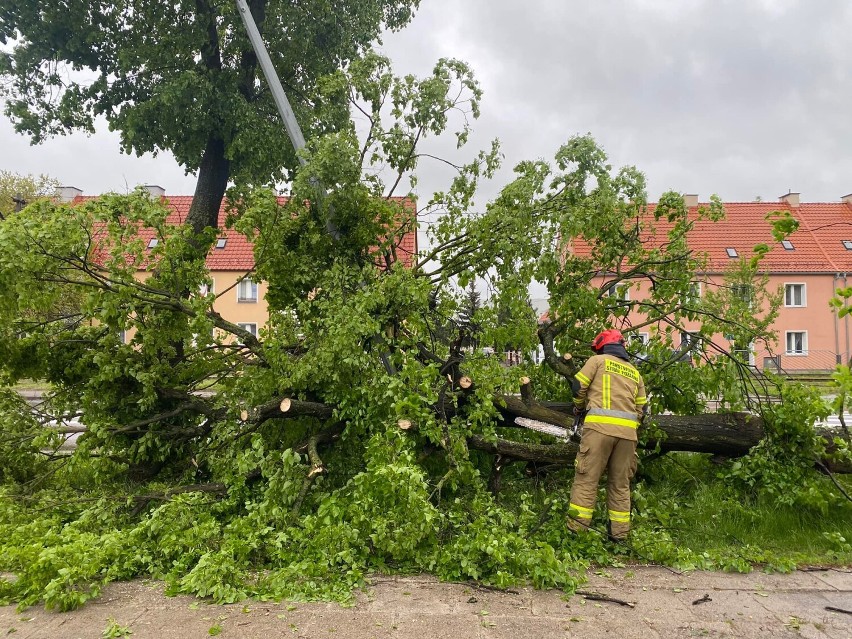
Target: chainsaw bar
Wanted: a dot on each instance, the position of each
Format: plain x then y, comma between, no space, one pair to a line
542,427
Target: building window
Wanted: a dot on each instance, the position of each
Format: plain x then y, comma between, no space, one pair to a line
742,292
639,338
122,337
797,342
619,291
251,327
207,288
794,295
220,243
693,295
732,252
689,343
247,290
788,245
638,345
152,243
743,354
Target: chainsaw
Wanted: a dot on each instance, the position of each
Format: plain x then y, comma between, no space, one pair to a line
556,431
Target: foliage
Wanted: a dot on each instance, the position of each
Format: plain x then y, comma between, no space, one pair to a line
190,469
24,189
183,77
781,466
694,516
115,630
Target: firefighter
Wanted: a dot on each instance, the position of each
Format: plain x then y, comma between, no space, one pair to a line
611,392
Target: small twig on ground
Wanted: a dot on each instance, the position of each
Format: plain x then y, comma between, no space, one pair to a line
594,596
833,609
486,587
702,600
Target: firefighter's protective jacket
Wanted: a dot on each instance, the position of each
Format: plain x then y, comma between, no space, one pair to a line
613,393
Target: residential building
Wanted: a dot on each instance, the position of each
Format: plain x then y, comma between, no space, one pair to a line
806,268
240,297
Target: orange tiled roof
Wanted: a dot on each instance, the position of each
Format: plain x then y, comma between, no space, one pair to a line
238,254
817,244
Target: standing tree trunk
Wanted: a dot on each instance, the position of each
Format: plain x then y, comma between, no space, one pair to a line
212,182
215,168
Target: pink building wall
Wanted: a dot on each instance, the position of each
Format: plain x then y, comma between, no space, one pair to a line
826,338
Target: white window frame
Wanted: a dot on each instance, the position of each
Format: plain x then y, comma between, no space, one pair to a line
693,338
740,290
788,286
620,291
242,298
694,293
122,336
251,327
793,353
748,349
642,337
208,289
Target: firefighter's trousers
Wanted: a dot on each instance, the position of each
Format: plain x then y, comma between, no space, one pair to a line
597,453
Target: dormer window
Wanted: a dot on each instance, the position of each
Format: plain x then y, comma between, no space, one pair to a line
220,243
732,252
847,244
152,243
788,245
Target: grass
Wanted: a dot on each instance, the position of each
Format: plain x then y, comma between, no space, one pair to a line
31,385
700,513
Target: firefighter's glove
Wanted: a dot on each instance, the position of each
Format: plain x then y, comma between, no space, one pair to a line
578,411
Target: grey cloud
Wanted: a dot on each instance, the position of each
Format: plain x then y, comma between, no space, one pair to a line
736,97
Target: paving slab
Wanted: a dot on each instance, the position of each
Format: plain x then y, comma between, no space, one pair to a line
836,578
743,606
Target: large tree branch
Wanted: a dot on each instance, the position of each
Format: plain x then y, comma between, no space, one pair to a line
561,364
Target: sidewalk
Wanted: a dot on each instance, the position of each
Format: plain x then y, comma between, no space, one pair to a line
754,605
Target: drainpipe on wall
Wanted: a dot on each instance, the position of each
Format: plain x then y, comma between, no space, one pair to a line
846,324
837,357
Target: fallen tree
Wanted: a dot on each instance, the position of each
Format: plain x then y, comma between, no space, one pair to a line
362,427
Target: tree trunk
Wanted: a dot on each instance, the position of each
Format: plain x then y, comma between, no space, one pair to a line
212,182
725,434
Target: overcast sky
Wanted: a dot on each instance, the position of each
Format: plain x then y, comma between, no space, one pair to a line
741,98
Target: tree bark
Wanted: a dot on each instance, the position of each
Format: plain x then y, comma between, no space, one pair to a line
521,451
726,434
215,169
213,175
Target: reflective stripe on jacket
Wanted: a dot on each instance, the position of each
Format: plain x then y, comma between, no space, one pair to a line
613,393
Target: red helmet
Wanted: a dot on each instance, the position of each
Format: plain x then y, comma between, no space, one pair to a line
609,336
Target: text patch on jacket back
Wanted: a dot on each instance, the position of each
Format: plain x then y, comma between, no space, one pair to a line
624,370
